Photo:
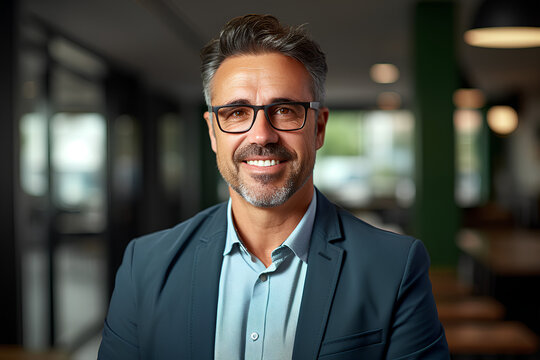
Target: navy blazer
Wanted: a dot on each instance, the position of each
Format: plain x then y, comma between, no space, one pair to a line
367,293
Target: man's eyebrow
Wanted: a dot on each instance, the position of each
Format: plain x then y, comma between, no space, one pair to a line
285,100
238,102
247,102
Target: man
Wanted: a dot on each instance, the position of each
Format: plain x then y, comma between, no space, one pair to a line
278,272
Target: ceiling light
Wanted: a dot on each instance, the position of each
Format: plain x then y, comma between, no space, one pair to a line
506,24
504,37
502,119
467,120
384,73
469,98
389,100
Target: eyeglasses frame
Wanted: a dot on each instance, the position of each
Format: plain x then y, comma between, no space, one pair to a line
306,104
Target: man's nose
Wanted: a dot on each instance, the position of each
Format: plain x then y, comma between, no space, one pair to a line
262,132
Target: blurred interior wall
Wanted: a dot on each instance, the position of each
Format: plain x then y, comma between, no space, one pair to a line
524,162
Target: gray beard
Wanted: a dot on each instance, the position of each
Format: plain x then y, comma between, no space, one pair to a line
277,198
262,199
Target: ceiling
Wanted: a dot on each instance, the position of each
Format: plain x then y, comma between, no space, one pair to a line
160,40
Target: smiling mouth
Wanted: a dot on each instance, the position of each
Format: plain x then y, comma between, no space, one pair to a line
263,163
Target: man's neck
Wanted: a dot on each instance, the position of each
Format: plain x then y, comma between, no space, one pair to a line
264,229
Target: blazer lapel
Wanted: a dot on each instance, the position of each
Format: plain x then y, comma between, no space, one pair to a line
324,265
205,287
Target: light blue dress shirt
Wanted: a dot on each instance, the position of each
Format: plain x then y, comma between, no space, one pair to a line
258,307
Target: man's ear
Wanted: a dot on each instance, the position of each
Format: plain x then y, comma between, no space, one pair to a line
322,119
211,132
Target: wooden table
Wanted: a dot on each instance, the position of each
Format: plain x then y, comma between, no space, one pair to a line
505,264
473,308
446,284
493,338
504,252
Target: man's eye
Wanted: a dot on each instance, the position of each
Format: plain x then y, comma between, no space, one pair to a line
234,113
238,113
284,111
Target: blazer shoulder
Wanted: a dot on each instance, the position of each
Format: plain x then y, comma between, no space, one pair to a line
356,228
203,224
344,229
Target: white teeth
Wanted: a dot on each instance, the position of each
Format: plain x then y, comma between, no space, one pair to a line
263,162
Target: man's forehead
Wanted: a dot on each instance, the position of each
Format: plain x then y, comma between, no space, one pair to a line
269,70
253,67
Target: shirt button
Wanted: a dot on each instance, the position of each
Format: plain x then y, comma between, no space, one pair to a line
263,277
254,336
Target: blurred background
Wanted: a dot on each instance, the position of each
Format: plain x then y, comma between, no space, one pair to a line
434,131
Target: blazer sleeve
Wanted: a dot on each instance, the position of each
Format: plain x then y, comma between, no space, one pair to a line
119,339
416,331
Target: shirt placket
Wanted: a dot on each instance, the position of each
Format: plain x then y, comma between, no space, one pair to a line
258,310
257,317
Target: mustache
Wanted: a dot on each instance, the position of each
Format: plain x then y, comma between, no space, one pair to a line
273,150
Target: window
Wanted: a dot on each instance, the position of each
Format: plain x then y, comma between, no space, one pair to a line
367,158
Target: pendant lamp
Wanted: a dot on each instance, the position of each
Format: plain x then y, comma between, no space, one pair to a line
506,24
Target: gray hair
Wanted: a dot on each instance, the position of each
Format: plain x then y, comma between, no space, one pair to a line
255,34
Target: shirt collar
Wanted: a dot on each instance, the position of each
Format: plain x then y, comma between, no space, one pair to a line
232,236
298,240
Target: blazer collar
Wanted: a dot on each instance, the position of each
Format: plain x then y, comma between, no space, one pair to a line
327,219
324,266
207,262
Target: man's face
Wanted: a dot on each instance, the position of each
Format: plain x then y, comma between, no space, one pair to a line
265,166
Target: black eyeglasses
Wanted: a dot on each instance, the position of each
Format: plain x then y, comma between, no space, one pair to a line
283,116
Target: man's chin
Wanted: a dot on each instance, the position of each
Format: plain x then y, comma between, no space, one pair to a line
265,196
265,180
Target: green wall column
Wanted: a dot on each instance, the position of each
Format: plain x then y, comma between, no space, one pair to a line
436,214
